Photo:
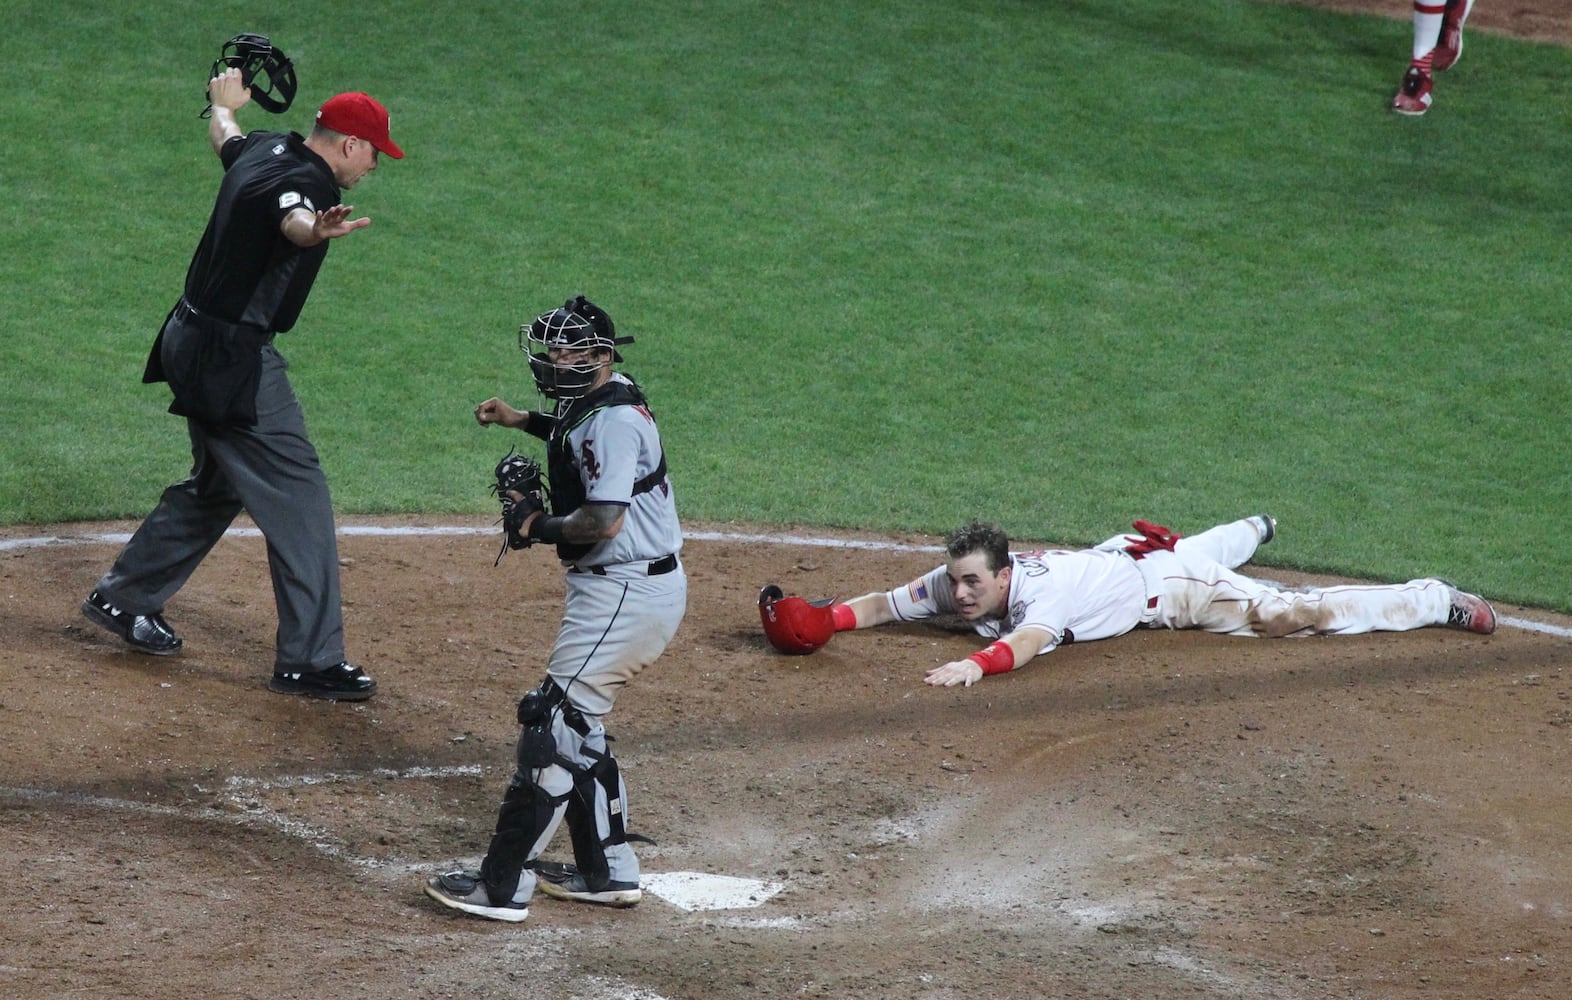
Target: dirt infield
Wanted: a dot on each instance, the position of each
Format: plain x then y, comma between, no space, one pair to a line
1538,20
1160,815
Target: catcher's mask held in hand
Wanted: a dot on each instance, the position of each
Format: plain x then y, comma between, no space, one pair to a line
263,67
792,624
578,324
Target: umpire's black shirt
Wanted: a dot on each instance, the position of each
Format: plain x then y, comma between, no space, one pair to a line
245,270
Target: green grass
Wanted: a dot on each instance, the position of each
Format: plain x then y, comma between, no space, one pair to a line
890,264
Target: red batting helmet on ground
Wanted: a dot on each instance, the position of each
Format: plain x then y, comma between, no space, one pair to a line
792,624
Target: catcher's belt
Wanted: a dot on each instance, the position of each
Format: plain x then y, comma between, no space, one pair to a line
658,567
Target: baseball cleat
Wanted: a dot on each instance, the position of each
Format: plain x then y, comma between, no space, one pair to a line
1450,46
1266,524
562,881
1413,97
465,891
1470,612
344,682
144,633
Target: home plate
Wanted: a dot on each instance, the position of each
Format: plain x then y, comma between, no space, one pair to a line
702,891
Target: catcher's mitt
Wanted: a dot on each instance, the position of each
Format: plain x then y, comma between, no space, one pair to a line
522,489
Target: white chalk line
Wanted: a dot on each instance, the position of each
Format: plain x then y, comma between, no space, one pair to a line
371,530
1533,626
688,891
121,537
249,810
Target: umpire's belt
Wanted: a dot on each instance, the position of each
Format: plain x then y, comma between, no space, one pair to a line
660,567
195,317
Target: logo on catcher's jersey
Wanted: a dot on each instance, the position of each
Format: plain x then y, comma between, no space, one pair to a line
587,460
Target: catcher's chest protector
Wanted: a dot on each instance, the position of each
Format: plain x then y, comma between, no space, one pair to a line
564,483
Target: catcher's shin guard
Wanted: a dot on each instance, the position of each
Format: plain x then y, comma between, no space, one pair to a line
595,817
527,818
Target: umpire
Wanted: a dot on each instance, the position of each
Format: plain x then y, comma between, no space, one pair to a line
278,207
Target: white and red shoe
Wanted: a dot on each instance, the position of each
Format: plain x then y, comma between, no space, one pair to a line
1413,97
1470,612
1450,45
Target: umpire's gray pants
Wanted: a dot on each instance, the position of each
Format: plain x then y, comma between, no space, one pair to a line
271,471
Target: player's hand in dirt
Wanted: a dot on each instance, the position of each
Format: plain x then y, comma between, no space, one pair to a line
965,672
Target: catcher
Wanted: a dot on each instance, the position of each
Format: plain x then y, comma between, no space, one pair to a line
613,520
1030,602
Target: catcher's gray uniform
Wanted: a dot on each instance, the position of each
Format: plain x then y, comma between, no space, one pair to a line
626,595
625,598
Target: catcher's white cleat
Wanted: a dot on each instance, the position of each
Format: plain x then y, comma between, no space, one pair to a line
563,881
465,891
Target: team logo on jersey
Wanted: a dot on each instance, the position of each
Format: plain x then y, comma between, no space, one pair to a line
588,461
1033,564
279,149
289,199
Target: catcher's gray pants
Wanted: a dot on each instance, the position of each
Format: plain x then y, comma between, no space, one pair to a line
613,627
270,471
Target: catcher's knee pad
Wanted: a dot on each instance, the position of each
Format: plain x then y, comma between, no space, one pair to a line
528,812
537,714
595,816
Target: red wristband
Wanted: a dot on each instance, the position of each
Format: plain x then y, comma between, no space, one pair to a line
844,617
997,658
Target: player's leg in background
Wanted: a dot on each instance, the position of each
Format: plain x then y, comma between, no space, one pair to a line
1413,95
1449,47
1230,544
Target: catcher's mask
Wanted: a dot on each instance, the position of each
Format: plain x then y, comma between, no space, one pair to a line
578,325
263,67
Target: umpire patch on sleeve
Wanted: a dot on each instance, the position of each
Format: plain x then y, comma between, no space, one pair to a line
289,199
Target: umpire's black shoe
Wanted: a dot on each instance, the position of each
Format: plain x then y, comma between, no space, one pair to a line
344,682
143,633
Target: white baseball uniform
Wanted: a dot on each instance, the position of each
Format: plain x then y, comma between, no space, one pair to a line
1105,591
